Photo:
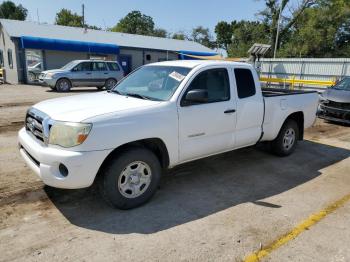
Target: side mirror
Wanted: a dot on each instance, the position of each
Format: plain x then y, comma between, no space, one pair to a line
196,96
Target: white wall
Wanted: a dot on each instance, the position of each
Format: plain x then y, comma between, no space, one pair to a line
11,74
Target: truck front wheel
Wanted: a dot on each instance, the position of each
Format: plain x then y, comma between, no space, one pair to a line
287,139
131,178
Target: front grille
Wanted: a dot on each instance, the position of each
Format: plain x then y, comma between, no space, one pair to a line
329,109
34,125
338,105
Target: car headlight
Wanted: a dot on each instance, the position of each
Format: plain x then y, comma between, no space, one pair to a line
50,75
67,134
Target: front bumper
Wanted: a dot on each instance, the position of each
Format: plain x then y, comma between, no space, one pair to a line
334,114
48,82
44,161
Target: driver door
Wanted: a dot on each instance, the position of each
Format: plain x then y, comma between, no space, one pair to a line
81,74
207,128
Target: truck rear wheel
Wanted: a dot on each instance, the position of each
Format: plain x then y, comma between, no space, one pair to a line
130,179
287,139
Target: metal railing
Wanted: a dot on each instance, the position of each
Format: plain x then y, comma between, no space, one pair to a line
293,81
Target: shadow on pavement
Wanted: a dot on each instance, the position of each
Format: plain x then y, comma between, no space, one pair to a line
201,188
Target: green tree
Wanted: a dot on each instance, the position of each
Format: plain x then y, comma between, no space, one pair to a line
202,35
245,34
223,32
68,18
272,16
135,23
9,10
93,27
159,32
179,36
321,31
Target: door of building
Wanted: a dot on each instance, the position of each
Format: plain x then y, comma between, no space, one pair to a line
125,62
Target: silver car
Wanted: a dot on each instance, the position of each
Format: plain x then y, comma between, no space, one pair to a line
335,103
85,73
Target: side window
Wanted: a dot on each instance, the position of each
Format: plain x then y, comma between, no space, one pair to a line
84,66
215,82
113,66
245,82
1,58
99,66
9,56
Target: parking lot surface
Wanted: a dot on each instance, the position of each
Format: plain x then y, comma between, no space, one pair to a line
223,208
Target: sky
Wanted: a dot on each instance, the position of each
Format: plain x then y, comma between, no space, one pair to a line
172,15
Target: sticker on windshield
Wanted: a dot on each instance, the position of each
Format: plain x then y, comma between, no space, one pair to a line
177,76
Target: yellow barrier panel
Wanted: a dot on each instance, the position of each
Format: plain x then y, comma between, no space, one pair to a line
294,81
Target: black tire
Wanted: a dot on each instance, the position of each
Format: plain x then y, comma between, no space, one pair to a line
285,144
108,183
110,83
53,88
63,85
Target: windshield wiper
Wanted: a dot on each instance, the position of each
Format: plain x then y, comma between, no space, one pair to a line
137,96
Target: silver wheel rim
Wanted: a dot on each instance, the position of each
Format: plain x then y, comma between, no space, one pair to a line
289,138
110,83
134,179
64,85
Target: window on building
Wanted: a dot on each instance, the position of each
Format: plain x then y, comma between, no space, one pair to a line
1,58
245,82
148,57
113,66
9,56
215,81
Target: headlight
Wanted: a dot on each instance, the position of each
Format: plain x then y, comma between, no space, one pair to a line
68,134
50,75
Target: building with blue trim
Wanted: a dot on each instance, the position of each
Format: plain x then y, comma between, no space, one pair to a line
26,48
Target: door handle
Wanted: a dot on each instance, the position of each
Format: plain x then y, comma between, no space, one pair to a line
88,73
106,73
229,111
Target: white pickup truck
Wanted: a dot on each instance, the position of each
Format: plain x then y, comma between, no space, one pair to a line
162,115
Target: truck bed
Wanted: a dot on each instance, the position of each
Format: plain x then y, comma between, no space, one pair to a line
269,92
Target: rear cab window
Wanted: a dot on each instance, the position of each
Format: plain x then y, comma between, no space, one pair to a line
245,82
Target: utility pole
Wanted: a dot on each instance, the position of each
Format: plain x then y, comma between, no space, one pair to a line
278,31
83,14
37,14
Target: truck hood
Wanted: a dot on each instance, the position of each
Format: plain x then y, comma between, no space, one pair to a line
337,95
78,108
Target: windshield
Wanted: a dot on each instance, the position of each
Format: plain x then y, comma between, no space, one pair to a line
343,84
152,82
70,65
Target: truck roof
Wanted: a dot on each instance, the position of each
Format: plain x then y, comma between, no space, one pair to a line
194,63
